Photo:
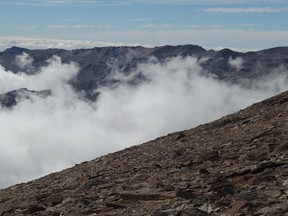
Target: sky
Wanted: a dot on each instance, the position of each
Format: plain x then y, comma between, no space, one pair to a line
213,24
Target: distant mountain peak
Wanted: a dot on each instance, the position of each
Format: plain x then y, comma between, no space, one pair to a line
15,49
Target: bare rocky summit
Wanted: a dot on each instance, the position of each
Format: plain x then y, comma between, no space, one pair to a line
237,165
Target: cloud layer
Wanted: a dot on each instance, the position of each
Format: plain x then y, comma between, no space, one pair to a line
247,10
39,136
46,43
132,2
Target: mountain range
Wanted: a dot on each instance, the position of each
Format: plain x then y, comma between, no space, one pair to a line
96,65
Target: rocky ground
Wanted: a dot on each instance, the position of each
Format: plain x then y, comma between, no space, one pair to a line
237,165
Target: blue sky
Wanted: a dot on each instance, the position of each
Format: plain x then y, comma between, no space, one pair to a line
238,24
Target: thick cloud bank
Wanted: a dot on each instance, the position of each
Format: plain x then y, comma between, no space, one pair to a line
43,135
45,43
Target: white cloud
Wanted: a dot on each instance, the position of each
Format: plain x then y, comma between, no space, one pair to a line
132,2
178,26
206,1
46,43
150,25
24,60
104,26
79,26
53,27
46,78
76,26
39,136
140,19
236,63
247,10
50,2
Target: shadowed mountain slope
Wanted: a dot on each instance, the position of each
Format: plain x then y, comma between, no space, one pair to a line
97,63
237,165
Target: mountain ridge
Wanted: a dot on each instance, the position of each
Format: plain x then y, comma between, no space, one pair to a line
97,64
97,58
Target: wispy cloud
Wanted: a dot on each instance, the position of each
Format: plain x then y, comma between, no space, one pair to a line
104,26
171,26
178,26
132,2
207,1
247,24
247,10
50,2
53,27
70,19
140,19
79,26
149,25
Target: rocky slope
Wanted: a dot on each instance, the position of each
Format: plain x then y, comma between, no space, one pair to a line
97,64
237,165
